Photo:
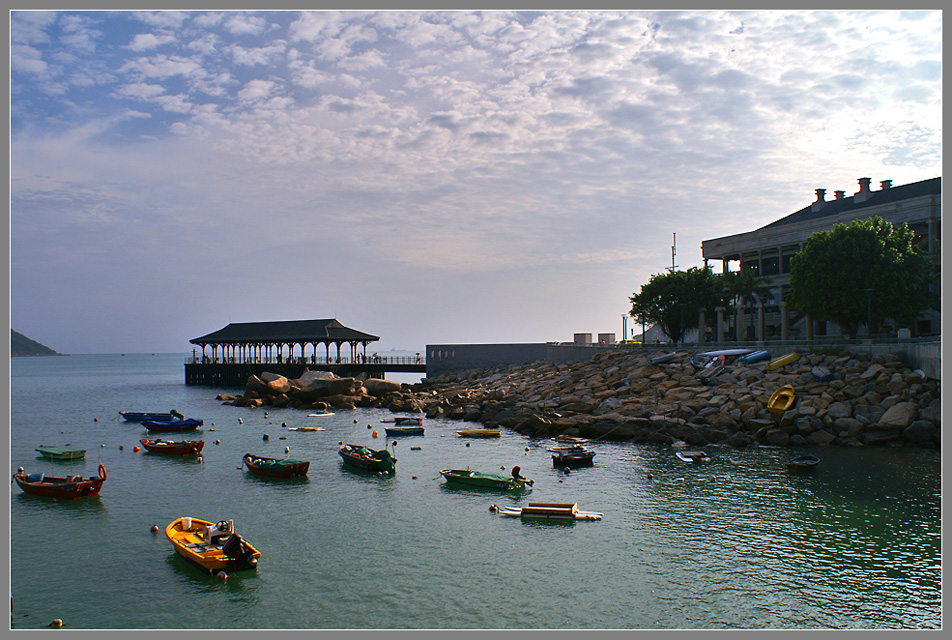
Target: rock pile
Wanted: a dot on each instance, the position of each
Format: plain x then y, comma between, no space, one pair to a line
623,396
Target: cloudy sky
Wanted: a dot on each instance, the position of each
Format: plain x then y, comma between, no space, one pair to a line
428,177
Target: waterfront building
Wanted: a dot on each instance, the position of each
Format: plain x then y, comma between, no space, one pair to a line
767,251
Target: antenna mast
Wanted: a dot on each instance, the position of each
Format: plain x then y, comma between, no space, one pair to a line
674,252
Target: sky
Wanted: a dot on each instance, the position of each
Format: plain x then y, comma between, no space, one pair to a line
428,177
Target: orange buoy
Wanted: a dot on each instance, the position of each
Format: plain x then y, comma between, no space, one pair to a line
155,528
374,434
57,623
135,448
95,419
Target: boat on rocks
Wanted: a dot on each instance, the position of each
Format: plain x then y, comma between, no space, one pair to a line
663,358
51,452
550,511
368,459
803,463
700,360
69,487
572,456
172,448
782,399
189,424
485,479
693,456
479,433
782,361
212,547
276,467
756,356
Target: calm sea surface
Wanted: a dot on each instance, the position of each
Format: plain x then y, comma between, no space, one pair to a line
733,544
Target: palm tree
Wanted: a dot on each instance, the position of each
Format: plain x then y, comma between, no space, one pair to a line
744,287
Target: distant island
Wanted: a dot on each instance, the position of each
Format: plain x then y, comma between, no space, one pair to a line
20,345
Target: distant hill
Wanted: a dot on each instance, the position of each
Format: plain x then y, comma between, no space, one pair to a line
20,345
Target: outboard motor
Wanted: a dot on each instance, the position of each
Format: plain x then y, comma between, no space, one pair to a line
236,549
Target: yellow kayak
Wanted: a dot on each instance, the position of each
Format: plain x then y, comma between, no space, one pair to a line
212,547
786,359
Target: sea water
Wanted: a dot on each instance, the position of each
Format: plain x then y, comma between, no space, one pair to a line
736,543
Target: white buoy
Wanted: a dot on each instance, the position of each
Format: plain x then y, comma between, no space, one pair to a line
222,576
287,449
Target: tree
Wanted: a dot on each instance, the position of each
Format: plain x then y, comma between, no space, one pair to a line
672,299
861,274
743,288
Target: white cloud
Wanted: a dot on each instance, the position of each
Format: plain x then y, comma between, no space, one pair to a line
144,41
245,24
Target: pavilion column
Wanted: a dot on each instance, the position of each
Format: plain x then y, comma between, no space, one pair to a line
719,331
760,321
784,321
701,330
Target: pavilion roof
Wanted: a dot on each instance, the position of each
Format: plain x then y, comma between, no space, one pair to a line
287,331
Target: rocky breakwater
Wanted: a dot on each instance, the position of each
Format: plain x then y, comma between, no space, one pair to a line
314,391
623,396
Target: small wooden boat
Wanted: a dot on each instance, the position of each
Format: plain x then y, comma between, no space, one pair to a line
168,447
571,456
782,399
51,452
367,459
70,487
713,367
783,360
306,429
821,373
550,510
404,431
319,415
275,467
756,356
479,433
662,358
405,420
693,456
484,479
802,463
134,416
211,547
571,439
189,424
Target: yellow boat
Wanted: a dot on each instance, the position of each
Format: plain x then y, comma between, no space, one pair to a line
781,399
212,547
479,433
786,359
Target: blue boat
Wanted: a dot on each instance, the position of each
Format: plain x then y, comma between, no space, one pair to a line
756,356
801,464
133,416
189,424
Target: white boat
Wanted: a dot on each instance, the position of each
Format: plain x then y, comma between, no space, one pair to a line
550,511
693,456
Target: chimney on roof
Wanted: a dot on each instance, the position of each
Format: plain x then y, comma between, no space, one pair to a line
885,184
839,194
820,200
863,192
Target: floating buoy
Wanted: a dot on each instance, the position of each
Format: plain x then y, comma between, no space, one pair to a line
527,448
265,436
102,446
287,449
415,448
502,466
284,424
239,421
95,419
355,420
120,447
155,528
282,437
374,434
370,426
650,476
222,576
57,623
413,477
493,507
566,470
211,429
135,448
20,470
467,444
217,441
201,459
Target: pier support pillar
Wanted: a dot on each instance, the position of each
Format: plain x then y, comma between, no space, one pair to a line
719,332
701,329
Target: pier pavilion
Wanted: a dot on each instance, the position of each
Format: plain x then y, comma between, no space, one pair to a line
231,354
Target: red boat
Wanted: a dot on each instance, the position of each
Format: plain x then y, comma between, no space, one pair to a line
167,447
274,467
70,487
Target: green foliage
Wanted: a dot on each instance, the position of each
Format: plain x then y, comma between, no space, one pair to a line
672,300
831,278
744,286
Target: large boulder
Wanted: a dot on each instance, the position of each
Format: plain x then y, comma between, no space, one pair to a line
899,416
378,387
919,431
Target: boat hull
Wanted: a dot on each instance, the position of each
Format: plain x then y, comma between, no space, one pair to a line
693,456
60,453
550,511
189,543
133,416
482,479
782,361
802,464
367,459
404,431
575,459
782,400
69,488
479,433
276,468
181,448
189,424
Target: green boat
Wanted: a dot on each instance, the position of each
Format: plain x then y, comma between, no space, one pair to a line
484,479
51,452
